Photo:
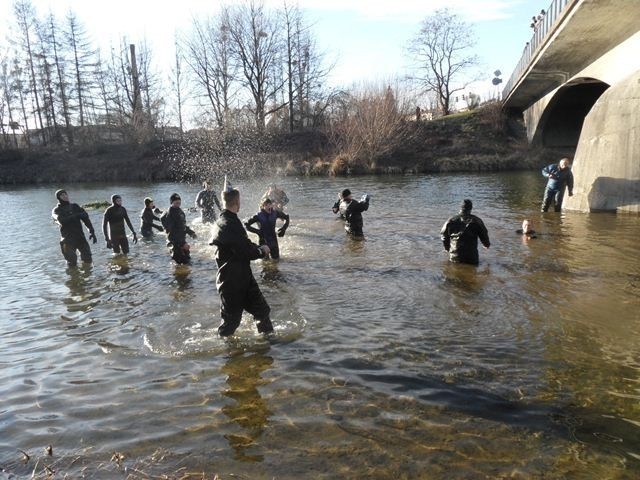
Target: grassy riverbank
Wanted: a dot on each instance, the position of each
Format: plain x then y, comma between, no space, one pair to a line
481,140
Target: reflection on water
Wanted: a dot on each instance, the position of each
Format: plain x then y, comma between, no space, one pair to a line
248,409
388,361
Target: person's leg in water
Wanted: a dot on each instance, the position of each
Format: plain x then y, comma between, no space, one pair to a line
208,216
547,199
69,254
122,244
274,251
257,306
558,199
231,314
180,254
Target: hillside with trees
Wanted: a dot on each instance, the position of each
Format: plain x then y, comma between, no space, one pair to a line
248,89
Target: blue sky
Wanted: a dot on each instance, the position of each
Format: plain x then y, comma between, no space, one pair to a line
366,39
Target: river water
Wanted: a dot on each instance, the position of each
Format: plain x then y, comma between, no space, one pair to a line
387,362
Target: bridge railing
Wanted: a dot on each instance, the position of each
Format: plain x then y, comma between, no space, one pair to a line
541,31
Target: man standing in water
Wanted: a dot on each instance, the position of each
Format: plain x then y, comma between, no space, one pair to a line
175,224
113,222
560,177
351,210
205,201
460,235
236,285
68,216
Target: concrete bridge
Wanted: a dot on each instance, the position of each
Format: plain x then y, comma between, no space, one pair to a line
578,87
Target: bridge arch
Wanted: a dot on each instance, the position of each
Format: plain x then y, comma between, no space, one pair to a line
561,122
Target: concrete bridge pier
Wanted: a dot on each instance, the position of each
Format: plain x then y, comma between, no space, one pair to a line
606,165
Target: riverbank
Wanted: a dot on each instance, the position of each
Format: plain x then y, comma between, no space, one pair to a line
478,141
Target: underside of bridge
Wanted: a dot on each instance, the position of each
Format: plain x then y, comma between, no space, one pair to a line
562,121
607,159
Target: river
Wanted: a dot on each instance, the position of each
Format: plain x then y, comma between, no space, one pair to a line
387,362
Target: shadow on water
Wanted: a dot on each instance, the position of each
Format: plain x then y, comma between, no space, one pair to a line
247,408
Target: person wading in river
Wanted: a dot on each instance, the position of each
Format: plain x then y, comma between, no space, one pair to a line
266,219
460,235
113,222
69,216
351,210
560,177
236,285
174,222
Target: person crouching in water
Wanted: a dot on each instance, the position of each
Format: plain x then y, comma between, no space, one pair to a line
175,225
267,217
147,216
460,235
235,283
351,210
113,222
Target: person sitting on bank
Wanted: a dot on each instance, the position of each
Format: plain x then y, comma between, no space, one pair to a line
206,200
147,216
460,235
113,229
70,217
235,282
351,210
174,222
267,218
560,178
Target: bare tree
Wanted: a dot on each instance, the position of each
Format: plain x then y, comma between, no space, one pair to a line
256,44
366,124
26,18
83,66
45,67
440,50
62,83
178,86
209,56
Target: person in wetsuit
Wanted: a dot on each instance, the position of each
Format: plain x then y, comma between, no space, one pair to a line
234,281
206,200
113,222
460,235
266,218
560,177
174,222
527,229
70,217
351,210
147,216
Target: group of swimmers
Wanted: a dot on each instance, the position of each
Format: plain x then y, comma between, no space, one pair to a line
70,217
235,282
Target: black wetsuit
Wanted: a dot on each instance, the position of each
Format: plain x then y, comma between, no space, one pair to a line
267,231
460,237
115,217
175,224
235,282
69,216
147,216
206,200
352,213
